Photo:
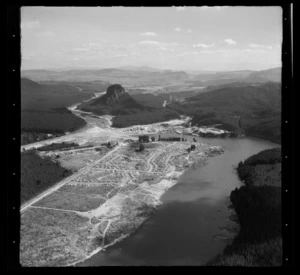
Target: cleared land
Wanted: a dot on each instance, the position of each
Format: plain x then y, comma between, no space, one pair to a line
108,199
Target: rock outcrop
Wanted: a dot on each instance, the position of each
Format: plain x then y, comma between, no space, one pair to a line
113,94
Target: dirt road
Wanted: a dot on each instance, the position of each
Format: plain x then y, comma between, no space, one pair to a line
65,181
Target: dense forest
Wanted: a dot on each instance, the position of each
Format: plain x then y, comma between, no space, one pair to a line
61,121
58,146
33,135
258,208
241,108
38,174
44,112
251,109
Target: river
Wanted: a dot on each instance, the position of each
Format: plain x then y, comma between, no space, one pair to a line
194,223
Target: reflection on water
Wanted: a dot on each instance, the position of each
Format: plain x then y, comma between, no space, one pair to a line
194,223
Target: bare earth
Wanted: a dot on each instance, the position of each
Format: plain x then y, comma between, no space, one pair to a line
110,195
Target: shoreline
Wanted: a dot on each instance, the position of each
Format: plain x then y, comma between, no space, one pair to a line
266,243
170,183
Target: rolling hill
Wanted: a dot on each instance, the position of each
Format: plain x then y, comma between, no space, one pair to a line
116,101
140,68
126,109
245,76
254,109
44,112
265,75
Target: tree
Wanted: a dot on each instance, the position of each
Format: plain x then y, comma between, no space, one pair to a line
142,147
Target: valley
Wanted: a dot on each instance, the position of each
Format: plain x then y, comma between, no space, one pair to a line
114,182
111,193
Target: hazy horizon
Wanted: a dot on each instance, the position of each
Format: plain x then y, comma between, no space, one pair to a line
167,38
121,67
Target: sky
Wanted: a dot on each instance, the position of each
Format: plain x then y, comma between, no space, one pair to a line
177,38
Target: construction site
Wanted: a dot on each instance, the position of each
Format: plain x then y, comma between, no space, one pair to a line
112,191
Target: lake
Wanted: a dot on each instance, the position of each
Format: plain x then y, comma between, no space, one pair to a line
194,223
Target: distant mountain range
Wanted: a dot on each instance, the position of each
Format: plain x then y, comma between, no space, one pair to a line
146,76
111,75
140,68
246,76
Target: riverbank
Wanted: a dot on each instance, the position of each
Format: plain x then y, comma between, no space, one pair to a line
124,229
139,204
107,200
258,208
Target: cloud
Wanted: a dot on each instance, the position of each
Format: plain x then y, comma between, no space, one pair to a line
44,33
149,42
187,53
148,34
230,41
257,46
177,29
204,46
207,51
81,49
189,30
180,8
30,24
120,55
157,43
135,54
28,55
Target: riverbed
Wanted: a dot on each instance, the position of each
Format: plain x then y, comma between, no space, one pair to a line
194,223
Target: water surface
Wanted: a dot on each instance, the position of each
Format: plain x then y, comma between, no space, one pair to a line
194,223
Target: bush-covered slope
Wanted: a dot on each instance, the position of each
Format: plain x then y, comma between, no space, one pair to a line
258,208
43,109
127,110
251,109
38,174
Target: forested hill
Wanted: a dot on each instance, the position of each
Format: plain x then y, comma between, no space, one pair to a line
44,97
44,112
116,97
241,99
257,204
245,76
127,110
116,101
253,109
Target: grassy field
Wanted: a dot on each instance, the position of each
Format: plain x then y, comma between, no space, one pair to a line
258,208
71,200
